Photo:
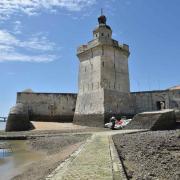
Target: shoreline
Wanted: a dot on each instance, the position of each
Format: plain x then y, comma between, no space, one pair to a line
49,129
56,149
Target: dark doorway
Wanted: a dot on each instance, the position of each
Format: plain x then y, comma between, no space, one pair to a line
160,105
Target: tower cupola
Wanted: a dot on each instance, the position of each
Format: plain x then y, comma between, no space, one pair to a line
102,19
102,31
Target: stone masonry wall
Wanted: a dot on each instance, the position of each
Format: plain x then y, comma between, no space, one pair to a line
49,106
148,101
117,104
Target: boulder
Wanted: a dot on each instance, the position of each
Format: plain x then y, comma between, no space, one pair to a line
18,119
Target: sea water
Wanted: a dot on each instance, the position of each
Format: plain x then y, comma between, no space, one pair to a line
2,125
16,158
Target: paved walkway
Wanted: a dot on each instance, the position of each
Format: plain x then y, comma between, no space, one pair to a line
97,159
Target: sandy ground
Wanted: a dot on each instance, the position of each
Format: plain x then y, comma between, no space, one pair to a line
50,129
151,155
56,126
57,149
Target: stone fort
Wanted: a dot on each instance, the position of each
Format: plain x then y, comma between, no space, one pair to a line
104,88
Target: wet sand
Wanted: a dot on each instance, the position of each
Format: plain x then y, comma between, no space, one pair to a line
16,155
57,149
44,155
56,141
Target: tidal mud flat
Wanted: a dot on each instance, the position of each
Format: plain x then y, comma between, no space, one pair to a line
54,150
150,155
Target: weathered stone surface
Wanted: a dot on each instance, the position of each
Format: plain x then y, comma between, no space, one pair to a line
18,119
104,88
57,107
117,103
92,120
157,120
103,70
148,100
177,114
43,118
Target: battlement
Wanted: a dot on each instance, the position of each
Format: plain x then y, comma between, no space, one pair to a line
102,42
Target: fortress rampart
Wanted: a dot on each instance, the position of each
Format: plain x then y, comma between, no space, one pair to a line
104,89
58,107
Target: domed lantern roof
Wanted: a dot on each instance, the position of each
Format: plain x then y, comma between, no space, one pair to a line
102,19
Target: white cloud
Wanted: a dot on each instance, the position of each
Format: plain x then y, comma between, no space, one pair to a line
36,48
13,56
35,42
10,45
32,7
17,27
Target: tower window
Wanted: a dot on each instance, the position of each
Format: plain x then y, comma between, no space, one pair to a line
103,63
102,34
102,50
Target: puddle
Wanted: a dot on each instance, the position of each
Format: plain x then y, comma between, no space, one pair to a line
5,153
13,160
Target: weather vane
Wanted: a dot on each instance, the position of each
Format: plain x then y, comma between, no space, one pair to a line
101,11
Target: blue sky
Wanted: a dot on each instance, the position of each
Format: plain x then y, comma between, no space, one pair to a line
38,41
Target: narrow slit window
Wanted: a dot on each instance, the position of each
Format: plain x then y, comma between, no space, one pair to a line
103,63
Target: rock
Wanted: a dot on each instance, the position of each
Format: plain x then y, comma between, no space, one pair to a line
130,174
18,119
153,158
177,177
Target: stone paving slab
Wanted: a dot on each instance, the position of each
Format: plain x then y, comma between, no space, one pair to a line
93,162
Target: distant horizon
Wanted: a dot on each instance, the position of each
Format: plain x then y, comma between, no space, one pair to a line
38,42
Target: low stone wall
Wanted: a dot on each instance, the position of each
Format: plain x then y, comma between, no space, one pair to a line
156,120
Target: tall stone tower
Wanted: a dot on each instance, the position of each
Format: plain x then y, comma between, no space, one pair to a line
103,78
